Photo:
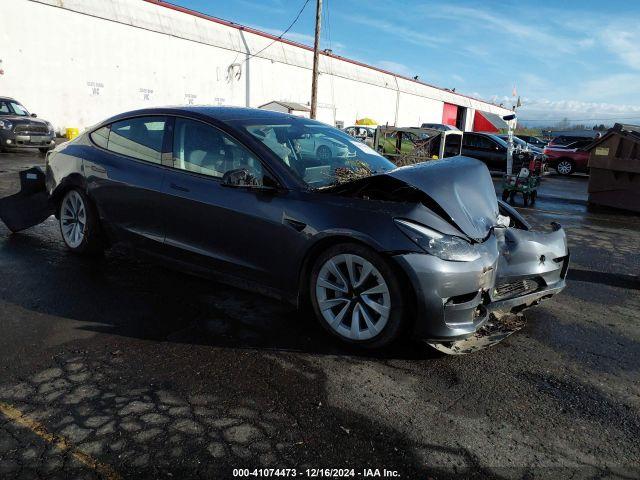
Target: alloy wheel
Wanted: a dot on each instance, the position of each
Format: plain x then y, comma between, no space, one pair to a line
353,297
324,152
564,167
73,219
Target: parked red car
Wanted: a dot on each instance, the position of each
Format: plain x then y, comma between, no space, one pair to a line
568,159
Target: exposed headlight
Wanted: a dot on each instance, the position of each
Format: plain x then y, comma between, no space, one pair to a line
6,125
446,247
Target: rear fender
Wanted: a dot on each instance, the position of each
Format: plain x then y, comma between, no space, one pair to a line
74,180
31,205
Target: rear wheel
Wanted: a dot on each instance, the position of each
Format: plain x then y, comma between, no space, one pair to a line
79,223
505,195
356,295
564,167
525,199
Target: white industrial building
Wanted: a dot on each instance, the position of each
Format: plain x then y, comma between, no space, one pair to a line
75,62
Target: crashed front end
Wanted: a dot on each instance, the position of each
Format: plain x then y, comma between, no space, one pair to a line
498,264
516,269
475,255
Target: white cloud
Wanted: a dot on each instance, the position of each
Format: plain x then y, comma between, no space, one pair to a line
539,111
624,44
396,67
533,33
399,31
303,38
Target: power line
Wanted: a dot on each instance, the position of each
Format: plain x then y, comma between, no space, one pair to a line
279,37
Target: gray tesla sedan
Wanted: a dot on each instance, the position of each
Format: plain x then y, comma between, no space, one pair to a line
376,251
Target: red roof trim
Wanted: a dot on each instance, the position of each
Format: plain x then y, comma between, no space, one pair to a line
237,26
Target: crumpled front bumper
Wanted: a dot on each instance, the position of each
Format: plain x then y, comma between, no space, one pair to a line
517,269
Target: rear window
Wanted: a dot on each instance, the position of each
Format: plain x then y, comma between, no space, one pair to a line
101,136
140,138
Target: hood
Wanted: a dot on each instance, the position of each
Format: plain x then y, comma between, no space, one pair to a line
23,119
461,187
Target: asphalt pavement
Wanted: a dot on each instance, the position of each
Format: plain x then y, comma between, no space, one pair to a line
119,368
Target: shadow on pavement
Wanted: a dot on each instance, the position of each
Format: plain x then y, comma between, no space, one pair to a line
120,295
620,280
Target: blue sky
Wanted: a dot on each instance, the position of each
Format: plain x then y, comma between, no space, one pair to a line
567,59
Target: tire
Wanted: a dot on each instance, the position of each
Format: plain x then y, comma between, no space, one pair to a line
534,195
79,224
505,195
565,167
525,199
323,153
339,298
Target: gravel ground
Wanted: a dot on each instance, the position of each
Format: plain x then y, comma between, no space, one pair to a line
117,368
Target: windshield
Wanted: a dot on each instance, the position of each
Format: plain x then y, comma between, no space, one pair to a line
516,140
318,154
12,108
500,141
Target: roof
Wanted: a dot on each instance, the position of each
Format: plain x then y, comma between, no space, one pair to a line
217,113
625,130
573,133
495,120
289,105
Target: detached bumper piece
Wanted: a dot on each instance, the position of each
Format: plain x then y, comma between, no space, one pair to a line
30,206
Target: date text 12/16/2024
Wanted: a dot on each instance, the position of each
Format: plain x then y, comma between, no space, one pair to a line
316,472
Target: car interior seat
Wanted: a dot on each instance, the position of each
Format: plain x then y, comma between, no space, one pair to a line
203,150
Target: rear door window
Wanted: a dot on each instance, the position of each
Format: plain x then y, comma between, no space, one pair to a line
140,137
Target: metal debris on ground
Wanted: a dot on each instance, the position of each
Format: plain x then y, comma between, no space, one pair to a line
499,326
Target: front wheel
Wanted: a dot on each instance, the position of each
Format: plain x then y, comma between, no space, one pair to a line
79,223
356,295
323,153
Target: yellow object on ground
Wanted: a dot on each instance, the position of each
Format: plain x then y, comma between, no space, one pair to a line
72,133
366,121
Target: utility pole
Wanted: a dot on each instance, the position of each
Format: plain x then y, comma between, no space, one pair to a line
316,58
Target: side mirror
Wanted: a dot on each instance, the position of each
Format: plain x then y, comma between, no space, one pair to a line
242,177
34,115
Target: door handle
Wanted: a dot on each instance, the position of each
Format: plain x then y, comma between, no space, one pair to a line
179,188
98,169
